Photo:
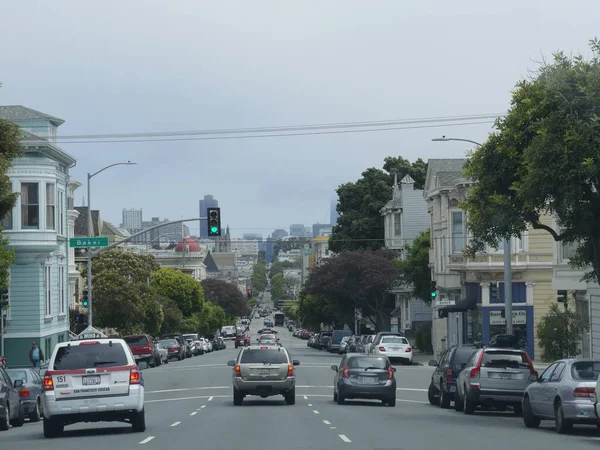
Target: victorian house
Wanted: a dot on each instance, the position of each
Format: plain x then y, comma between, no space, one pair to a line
405,217
38,231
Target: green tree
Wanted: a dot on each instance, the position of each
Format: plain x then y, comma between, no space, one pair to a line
10,149
123,298
314,310
560,333
227,296
258,278
360,225
415,268
543,158
292,243
291,311
172,316
212,318
180,287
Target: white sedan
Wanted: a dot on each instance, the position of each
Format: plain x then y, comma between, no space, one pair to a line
394,347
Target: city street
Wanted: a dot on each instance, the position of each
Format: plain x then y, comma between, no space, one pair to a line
189,406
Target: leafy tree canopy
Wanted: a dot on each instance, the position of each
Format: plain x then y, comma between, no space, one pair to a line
559,333
360,225
356,279
542,159
314,310
415,268
227,296
184,290
292,243
258,279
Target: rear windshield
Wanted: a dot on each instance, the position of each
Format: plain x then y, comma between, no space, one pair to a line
169,342
361,362
77,357
136,340
17,374
338,335
193,337
393,340
267,356
463,355
584,370
505,359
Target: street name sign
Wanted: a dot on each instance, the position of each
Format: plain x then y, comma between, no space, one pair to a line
88,242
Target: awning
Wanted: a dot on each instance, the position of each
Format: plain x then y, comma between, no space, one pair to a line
462,305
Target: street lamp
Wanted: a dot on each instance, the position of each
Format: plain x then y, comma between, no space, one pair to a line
507,255
91,234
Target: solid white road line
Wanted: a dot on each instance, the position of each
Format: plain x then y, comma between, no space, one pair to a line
327,422
174,424
194,413
148,439
315,411
344,438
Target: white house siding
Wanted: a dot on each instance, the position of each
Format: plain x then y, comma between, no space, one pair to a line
415,218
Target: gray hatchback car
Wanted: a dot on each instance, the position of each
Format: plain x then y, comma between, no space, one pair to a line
264,371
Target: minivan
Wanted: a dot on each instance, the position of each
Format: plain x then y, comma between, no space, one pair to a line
336,339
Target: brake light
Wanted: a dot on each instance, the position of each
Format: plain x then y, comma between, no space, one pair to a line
24,392
474,372
390,373
449,374
134,376
346,372
408,350
290,371
583,392
172,349
89,343
264,348
382,349
48,383
238,371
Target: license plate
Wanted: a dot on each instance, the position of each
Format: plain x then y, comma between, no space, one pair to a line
395,348
367,380
90,381
505,376
264,372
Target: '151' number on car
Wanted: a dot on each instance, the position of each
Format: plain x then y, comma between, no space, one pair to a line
61,379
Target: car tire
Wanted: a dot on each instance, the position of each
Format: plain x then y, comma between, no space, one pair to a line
335,396
562,425
468,405
138,421
35,415
238,398
5,423
529,419
444,398
390,401
458,402
20,420
52,428
290,397
340,399
433,395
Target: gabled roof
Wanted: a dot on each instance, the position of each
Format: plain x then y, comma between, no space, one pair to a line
209,262
15,113
443,172
81,223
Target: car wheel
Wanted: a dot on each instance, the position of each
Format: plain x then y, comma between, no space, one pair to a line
444,398
468,405
433,395
35,415
238,398
290,397
529,419
138,421
20,420
5,423
562,425
340,399
334,396
391,401
458,402
52,428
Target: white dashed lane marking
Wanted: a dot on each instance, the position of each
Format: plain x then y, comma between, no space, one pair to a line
210,399
174,424
344,438
194,413
148,439
305,397
316,412
203,406
327,422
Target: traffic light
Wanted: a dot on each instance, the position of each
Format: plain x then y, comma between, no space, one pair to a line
433,289
85,299
249,293
494,291
3,300
442,313
214,221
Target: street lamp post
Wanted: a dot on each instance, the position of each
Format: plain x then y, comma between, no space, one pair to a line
507,256
91,234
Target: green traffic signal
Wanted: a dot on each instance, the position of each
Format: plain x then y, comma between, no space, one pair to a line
85,303
214,229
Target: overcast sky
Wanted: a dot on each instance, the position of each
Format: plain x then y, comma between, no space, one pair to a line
125,66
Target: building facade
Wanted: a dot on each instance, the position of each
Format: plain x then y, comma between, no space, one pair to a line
405,216
297,230
38,231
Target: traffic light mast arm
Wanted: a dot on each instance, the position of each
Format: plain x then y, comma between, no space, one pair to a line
129,238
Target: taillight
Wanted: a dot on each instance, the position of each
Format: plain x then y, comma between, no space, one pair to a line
134,376
24,392
48,383
89,343
408,350
382,349
346,372
449,374
474,372
390,373
238,371
290,371
583,392
172,349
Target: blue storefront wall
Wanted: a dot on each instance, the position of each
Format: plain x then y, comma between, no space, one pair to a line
528,325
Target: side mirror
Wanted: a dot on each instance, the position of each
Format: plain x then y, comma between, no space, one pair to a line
142,365
334,368
295,362
18,383
433,363
231,363
394,369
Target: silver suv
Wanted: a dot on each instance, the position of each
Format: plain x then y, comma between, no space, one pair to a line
265,372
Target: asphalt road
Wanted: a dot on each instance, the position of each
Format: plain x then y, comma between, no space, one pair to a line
189,406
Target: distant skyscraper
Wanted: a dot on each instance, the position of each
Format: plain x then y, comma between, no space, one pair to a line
208,202
132,219
297,230
333,214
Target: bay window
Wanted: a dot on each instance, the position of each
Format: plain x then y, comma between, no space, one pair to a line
398,224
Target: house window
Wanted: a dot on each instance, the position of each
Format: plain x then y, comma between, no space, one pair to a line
7,222
30,206
398,224
458,235
50,206
569,249
48,289
61,213
62,299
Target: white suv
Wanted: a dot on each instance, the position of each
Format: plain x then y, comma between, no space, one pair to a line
93,380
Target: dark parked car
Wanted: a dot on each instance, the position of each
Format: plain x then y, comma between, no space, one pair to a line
31,391
11,408
174,350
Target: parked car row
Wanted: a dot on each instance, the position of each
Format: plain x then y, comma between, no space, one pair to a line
504,377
